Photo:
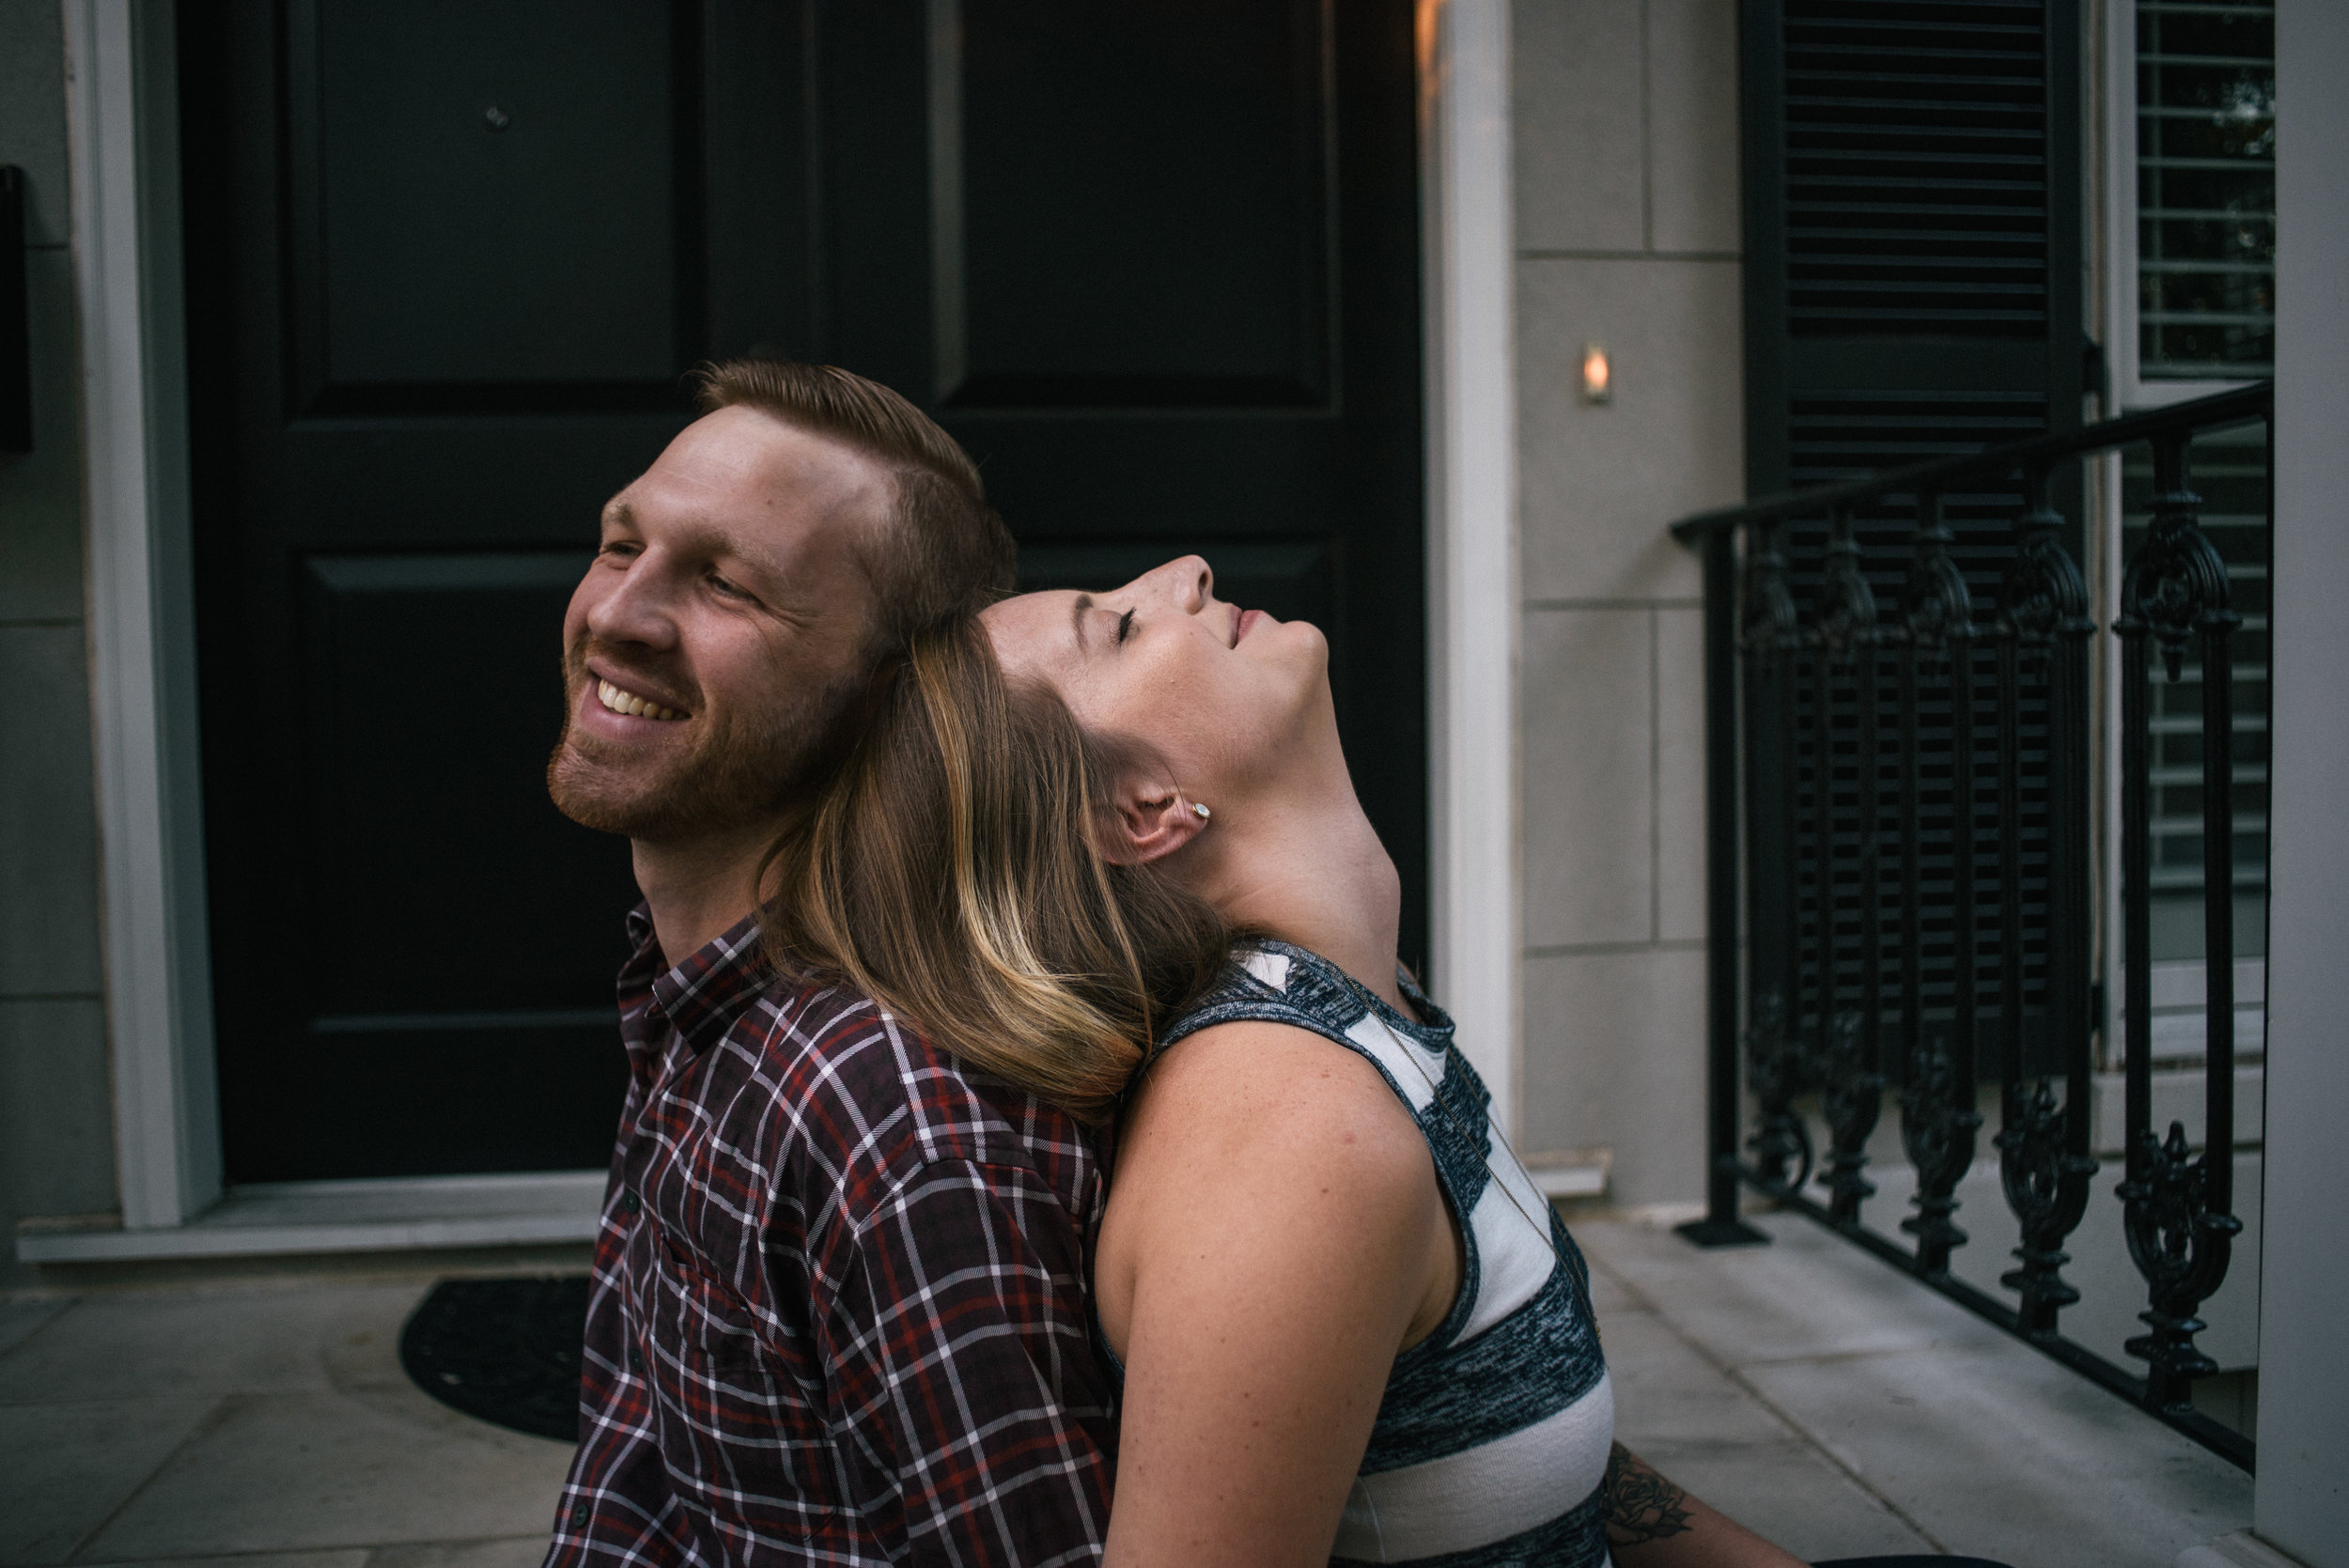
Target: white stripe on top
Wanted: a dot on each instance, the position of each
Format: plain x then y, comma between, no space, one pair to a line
1484,1494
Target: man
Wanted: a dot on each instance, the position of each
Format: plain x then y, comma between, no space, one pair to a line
838,1310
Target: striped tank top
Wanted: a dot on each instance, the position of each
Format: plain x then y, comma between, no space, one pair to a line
1493,1434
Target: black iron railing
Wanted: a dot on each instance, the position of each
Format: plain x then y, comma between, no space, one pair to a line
1903,885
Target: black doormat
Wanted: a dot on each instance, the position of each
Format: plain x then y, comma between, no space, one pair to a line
503,1350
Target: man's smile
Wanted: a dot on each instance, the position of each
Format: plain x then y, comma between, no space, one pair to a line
620,700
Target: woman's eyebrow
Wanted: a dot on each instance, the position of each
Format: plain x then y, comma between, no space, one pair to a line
1077,608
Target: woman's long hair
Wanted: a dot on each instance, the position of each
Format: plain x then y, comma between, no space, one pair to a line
953,871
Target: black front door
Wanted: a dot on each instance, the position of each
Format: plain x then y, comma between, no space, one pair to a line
1154,262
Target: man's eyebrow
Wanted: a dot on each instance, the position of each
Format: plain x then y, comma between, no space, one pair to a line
1077,608
618,513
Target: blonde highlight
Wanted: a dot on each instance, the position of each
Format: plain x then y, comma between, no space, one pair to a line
952,871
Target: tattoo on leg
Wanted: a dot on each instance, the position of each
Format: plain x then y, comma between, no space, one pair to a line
1640,1504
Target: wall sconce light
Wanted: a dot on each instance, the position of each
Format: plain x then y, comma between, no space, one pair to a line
1599,376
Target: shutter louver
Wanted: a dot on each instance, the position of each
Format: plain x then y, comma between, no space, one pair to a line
1913,251
1916,169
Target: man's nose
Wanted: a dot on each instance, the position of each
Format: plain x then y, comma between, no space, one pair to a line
637,608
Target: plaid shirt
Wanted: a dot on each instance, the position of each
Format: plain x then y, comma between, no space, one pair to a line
839,1313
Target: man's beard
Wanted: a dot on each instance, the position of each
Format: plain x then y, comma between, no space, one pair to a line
741,771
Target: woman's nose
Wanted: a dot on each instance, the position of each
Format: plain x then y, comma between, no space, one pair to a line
1189,580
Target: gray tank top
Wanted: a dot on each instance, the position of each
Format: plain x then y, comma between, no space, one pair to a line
1493,1434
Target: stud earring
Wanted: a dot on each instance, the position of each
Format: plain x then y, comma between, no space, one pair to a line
1203,812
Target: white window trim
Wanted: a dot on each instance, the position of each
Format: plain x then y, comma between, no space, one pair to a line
123,116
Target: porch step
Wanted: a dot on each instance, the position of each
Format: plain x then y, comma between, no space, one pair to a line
400,1214
1570,1172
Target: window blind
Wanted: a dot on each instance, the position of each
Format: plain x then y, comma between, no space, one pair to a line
2206,189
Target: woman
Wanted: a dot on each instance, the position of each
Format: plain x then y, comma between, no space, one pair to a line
1348,1324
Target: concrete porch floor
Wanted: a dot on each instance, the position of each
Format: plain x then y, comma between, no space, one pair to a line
1803,1388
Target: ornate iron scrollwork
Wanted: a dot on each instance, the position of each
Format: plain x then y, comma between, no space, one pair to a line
1937,1124
1771,623
2175,586
1847,606
2044,1161
2176,1208
1938,1116
1851,1093
1774,1072
2043,594
1939,611
1851,1088
2046,1181
2181,1247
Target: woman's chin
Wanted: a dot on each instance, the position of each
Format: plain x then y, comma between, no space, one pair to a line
1303,642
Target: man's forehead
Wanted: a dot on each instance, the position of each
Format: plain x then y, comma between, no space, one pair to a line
737,514
744,458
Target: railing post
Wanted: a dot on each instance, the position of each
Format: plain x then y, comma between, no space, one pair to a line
1938,1115
1721,1226
1852,1086
2176,1208
1772,643
2043,1158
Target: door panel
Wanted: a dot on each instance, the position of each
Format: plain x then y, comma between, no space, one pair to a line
1152,263
461,157
1085,258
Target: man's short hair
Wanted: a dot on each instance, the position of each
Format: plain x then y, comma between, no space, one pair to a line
947,554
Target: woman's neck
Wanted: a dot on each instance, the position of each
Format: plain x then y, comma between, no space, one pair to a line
1303,863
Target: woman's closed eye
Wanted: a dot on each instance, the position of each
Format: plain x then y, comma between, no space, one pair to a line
1125,626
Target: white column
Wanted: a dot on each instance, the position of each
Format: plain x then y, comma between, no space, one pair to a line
123,122
1469,257
2302,1500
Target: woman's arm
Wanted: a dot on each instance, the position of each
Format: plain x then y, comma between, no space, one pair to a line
1652,1523
1277,1218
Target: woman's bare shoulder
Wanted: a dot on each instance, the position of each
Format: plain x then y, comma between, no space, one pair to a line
1277,1093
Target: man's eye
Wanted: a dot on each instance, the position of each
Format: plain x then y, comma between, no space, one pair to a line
1125,626
727,588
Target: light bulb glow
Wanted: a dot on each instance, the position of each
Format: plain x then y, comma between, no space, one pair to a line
1599,380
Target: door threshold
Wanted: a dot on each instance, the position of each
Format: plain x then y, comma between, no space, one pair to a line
394,1214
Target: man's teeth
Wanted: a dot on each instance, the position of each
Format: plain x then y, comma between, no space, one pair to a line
629,703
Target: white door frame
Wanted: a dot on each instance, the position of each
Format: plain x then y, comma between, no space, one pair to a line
122,107
124,123
1469,245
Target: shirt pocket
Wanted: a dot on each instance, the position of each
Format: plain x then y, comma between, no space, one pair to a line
738,1434
697,1320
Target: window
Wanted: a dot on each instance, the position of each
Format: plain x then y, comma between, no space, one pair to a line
2194,181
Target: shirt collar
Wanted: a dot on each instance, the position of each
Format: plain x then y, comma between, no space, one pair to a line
703,995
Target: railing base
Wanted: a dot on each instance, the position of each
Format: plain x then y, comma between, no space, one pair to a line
2224,1441
1709,1233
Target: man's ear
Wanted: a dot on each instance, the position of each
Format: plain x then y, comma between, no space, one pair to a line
1149,819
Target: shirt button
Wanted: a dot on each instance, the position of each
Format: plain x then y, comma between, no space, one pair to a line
631,1202
635,1362
579,1514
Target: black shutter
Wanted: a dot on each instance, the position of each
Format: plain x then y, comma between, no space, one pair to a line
1913,212
1913,229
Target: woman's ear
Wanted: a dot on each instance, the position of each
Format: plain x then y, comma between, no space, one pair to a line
1149,819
